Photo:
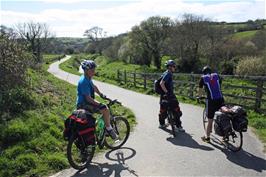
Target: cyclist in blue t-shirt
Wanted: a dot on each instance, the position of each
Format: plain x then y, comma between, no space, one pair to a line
168,98
86,97
212,84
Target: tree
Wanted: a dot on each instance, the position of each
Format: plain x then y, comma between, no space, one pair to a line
36,35
149,37
188,35
212,44
95,35
7,32
260,39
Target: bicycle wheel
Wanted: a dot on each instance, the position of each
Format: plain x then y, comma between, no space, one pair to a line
235,141
122,128
79,155
172,122
205,119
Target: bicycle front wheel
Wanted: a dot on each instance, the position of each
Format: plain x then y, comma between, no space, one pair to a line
172,122
122,128
79,155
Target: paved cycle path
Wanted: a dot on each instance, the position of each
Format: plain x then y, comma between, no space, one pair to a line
151,151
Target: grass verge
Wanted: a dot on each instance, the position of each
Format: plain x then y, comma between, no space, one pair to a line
32,143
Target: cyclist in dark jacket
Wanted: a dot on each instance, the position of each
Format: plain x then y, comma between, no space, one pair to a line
212,84
168,98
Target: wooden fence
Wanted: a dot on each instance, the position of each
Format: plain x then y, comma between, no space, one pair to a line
248,92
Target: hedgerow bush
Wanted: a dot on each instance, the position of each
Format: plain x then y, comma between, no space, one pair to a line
252,66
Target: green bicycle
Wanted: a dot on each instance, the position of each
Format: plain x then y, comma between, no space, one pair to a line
80,155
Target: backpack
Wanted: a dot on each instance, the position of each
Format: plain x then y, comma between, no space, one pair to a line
82,123
157,87
239,119
222,124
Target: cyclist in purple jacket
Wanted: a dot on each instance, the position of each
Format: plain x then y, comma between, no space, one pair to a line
212,84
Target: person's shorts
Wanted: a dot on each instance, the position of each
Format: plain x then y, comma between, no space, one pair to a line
213,106
92,108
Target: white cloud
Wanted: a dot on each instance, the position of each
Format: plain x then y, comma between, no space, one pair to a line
121,18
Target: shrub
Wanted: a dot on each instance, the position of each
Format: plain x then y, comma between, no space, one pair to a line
227,67
252,66
56,161
45,143
24,163
13,152
13,67
15,132
16,100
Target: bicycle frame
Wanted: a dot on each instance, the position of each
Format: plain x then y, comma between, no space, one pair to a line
100,124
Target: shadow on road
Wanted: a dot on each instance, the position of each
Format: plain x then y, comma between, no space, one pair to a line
107,169
185,139
241,158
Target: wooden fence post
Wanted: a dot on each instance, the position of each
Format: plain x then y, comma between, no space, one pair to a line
134,74
145,80
191,85
258,95
125,76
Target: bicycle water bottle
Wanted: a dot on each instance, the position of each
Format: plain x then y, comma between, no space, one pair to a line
100,126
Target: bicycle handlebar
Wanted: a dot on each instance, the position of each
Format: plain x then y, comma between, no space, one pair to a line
111,102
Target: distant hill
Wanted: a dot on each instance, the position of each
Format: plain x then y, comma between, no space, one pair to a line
67,45
239,30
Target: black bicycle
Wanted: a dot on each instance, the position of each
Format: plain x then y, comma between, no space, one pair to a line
171,120
233,140
80,155
170,117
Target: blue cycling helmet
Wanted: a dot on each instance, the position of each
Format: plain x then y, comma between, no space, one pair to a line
88,64
170,63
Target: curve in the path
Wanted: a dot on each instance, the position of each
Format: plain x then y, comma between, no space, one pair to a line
153,152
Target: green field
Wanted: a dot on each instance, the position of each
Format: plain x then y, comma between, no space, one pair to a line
246,35
32,143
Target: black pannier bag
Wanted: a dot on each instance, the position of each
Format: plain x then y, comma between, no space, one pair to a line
239,119
222,124
82,123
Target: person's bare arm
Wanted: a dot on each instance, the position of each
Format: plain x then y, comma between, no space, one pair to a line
97,90
162,83
92,101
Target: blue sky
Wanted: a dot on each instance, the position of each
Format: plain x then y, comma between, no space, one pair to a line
73,17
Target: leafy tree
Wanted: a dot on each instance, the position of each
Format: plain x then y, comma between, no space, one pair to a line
149,38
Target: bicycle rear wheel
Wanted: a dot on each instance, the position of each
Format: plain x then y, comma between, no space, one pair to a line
79,155
235,141
122,128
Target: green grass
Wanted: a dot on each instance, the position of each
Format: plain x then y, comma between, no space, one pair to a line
32,142
246,35
107,73
50,58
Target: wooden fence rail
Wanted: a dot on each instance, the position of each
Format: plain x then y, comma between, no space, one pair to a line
252,96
